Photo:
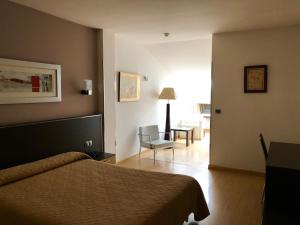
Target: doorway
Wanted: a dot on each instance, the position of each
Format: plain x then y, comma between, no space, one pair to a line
187,67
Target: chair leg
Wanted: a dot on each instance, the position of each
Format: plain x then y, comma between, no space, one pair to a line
140,151
154,155
173,152
263,196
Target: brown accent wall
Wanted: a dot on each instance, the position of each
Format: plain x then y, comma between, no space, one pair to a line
27,34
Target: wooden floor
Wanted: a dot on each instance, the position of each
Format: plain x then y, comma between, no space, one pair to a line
233,197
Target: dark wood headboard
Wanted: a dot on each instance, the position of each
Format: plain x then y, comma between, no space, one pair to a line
29,142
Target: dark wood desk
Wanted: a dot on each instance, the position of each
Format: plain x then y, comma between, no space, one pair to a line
187,130
282,188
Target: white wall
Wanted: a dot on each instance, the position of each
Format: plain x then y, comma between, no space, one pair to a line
234,134
109,80
134,58
189,71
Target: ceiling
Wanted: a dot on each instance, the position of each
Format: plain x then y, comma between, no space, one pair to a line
147,20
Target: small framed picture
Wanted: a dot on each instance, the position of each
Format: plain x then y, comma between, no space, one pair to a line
129,87
29,82
256,79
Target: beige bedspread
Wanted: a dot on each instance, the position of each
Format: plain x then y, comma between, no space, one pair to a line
72,189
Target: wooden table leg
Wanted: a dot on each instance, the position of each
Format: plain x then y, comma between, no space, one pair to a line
187,138
192,138
174,135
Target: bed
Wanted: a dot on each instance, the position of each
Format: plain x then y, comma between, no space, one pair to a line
72,188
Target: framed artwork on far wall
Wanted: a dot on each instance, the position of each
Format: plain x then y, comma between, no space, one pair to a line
29,82
256,79
128,87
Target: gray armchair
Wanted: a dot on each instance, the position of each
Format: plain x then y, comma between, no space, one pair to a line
151,138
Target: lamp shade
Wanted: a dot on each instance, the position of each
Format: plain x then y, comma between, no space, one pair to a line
167,93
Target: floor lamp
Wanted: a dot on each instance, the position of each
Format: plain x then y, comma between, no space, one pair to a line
169,94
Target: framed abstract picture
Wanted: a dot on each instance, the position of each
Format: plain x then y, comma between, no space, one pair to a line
29,82
256,79
129,87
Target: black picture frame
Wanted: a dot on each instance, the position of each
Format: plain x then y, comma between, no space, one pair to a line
256,79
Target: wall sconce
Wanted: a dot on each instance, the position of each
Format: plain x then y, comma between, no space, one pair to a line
88,87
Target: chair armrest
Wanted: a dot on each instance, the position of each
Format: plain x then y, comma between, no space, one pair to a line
146,135
163,132
170,134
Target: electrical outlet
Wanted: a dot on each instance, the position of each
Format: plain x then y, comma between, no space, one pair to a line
86,144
